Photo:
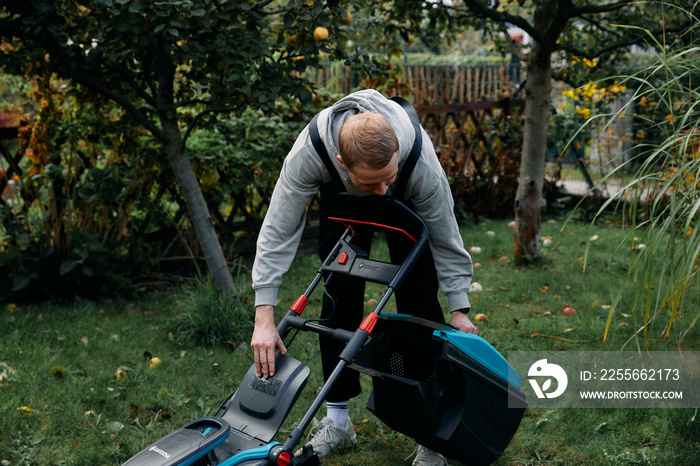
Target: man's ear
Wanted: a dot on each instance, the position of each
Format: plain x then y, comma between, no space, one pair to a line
340,159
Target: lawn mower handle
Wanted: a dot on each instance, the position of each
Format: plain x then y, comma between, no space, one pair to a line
372,213
292,320
347,258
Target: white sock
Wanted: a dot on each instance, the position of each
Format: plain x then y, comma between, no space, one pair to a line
338,413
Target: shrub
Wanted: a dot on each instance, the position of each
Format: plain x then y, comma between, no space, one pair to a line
85,187
486,183
237,163
209,318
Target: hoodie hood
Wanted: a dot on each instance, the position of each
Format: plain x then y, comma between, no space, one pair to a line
332,119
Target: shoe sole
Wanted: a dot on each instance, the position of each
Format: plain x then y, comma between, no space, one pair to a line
345,445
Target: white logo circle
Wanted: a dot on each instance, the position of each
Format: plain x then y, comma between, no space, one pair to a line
542,368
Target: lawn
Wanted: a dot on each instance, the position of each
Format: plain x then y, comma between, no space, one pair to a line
76,387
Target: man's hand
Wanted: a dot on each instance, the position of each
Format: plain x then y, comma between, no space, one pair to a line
265,340
461,322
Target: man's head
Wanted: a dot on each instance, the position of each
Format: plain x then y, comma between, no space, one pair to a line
369,149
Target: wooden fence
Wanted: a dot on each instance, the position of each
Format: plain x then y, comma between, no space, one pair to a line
434,84
452,101
458,129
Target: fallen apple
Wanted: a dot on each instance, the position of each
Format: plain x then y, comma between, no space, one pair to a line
569,311
481,318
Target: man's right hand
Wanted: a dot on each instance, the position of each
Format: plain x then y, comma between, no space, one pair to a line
265,340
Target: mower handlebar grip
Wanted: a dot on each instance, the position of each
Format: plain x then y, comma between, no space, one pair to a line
291,320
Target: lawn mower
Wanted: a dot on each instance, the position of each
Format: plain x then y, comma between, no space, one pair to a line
450,391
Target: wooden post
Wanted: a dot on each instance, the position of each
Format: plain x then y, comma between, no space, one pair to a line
469,85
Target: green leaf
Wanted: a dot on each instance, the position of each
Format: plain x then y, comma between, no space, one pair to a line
22,240
20,282
67,266
82,252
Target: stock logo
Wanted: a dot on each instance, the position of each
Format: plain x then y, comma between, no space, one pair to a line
542,368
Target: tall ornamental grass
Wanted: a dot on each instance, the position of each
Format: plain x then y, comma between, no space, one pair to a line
664,194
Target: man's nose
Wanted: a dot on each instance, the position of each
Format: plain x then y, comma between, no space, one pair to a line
381,189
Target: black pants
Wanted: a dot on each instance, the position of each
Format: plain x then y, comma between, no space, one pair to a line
344,308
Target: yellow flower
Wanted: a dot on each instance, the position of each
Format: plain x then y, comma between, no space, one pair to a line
616,88
11,307
590,89
586,112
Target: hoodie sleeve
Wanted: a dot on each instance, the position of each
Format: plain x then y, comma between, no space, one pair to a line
301,175
429,191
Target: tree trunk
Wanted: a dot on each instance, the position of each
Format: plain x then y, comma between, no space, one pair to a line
197,208
529,203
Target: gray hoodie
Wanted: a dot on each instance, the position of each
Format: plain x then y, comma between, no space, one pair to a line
303,172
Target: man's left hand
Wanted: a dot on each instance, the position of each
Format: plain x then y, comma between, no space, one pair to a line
461,322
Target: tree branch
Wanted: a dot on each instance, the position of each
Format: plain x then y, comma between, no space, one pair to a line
192,125
85,77
118,98
511,44
597,53
481,11
602,26
587,9
631,40
262,4
140,91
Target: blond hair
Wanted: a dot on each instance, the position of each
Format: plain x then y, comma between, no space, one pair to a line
367,140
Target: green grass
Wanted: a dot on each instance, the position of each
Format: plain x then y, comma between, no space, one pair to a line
87,417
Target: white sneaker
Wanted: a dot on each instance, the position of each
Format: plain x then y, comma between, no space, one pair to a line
427,457
329,438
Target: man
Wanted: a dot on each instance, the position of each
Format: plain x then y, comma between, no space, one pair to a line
365,142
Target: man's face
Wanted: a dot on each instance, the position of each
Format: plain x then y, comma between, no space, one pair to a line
374,180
